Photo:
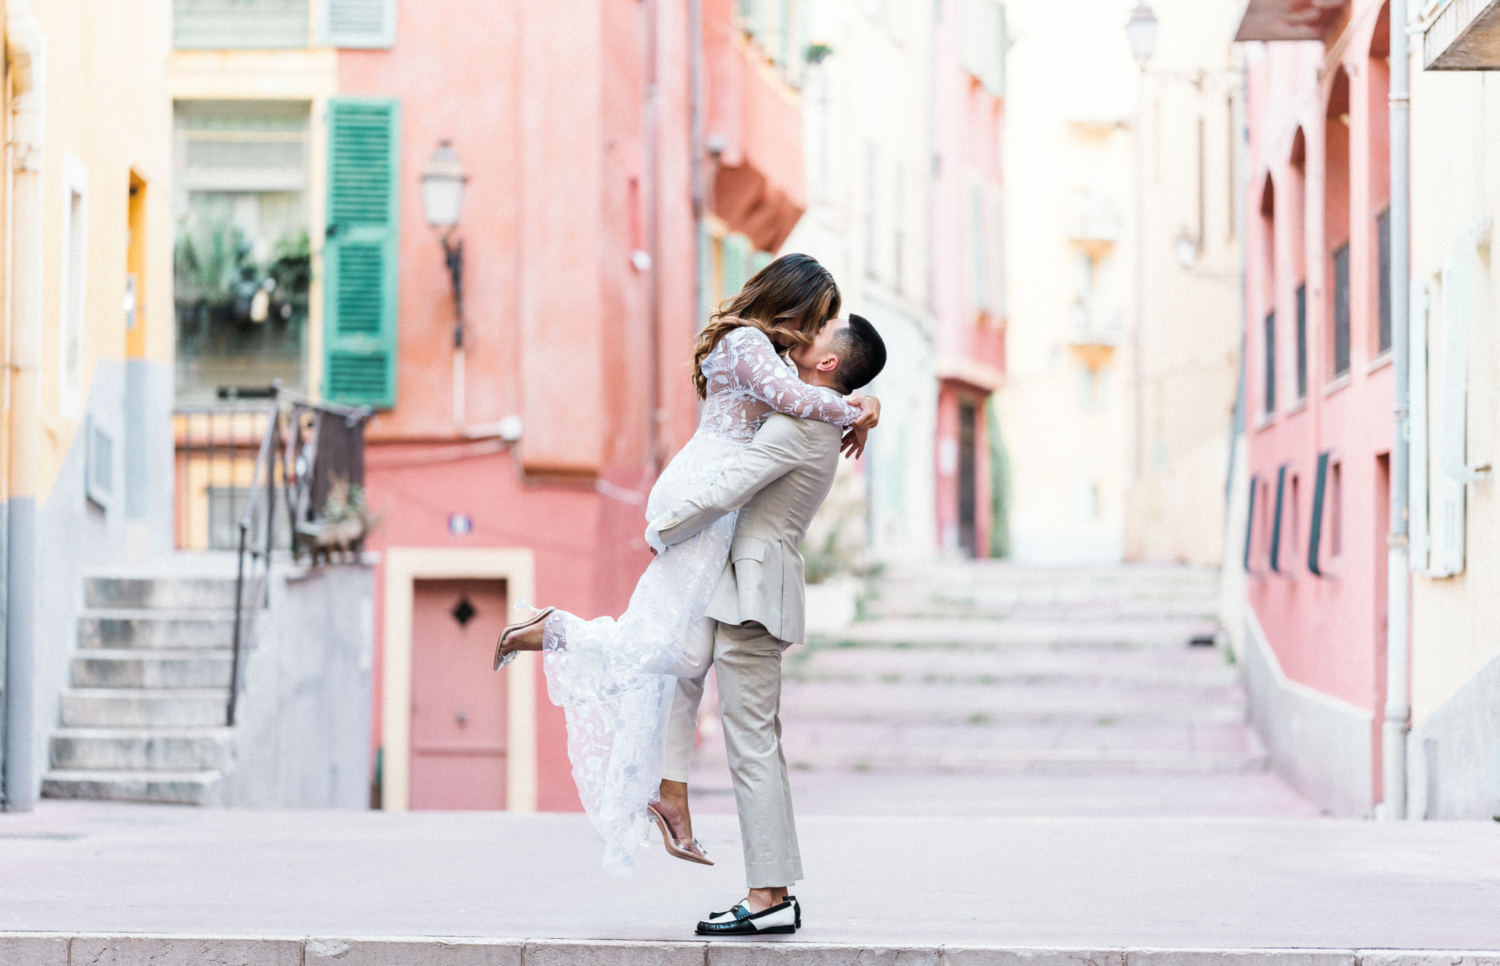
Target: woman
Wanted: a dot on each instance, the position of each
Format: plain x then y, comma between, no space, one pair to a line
612,677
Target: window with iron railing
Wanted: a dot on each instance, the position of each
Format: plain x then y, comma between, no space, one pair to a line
243,265
1341,314
282,24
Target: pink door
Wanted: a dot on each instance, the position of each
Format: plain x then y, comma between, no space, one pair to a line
457,701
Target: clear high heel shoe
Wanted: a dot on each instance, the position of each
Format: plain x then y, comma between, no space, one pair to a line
692,851
501,657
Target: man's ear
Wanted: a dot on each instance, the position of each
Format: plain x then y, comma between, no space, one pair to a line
828,363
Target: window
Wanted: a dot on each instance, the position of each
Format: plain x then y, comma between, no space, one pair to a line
1336,509
1270,368
997,260
74,293
240,24
898,218
872,179
243,262
1383,240
985,43
1295,516
779,29
978,250
1302,341
1341,310
359,23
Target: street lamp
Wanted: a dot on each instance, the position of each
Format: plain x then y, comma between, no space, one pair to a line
442,197
1140,30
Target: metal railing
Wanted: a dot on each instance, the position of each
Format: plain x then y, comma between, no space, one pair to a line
306,450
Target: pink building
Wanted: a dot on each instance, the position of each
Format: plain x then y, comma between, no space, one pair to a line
1318,389
967,276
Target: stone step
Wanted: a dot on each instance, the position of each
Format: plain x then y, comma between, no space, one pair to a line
158,592
142,707
168,787
991,761
980,704
156,629
140,668
140,749
1041,610
1200,667
1056,635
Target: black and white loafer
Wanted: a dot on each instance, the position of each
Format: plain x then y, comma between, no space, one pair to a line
727,916
740,921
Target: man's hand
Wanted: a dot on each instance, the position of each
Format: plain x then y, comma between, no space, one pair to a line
870,412
853,443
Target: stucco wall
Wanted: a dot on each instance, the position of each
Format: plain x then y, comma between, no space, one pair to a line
302,738
1327,632
1456,620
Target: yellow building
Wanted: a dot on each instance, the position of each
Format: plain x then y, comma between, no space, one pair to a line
88,307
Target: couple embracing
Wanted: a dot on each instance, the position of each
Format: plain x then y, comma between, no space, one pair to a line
725,588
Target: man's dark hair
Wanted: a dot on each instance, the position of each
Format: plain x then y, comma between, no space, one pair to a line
861,353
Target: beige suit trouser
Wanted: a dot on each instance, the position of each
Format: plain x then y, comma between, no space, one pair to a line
749,679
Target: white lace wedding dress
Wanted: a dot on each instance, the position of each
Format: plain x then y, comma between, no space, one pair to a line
613,677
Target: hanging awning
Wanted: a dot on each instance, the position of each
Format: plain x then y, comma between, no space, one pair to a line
1288,19
1465,35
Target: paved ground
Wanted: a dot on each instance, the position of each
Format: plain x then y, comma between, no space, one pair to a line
1032,762
981,688
76,867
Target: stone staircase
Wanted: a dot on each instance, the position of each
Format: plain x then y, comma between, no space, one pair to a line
144,717
981,688
988,667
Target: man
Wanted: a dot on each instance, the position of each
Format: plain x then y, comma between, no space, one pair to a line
777,484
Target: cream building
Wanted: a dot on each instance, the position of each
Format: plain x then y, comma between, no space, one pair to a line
1184,389
87,286
1065,406
1119,397
1453,749
867,122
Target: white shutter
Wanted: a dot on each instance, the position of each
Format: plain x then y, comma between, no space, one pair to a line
1460,271
359,23
1417,463
239,24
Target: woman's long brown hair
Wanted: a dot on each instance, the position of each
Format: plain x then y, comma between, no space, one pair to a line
794,288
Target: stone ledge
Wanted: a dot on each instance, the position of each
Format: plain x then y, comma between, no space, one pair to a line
53,949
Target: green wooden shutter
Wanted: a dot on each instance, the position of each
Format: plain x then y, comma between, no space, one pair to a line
736,256
359,258
359,23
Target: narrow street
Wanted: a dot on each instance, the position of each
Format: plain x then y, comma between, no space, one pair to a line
982,688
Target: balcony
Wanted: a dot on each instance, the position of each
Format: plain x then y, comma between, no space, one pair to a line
1463,35
1289,19
1096,223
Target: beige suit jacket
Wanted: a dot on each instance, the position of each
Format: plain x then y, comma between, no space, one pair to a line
777,483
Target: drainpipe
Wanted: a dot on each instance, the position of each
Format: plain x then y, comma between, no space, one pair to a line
26,53
1398,573
650,199
695,148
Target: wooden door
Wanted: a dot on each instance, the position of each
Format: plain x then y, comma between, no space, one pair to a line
968,465
458,730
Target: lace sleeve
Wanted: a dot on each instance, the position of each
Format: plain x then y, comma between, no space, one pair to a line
754,366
